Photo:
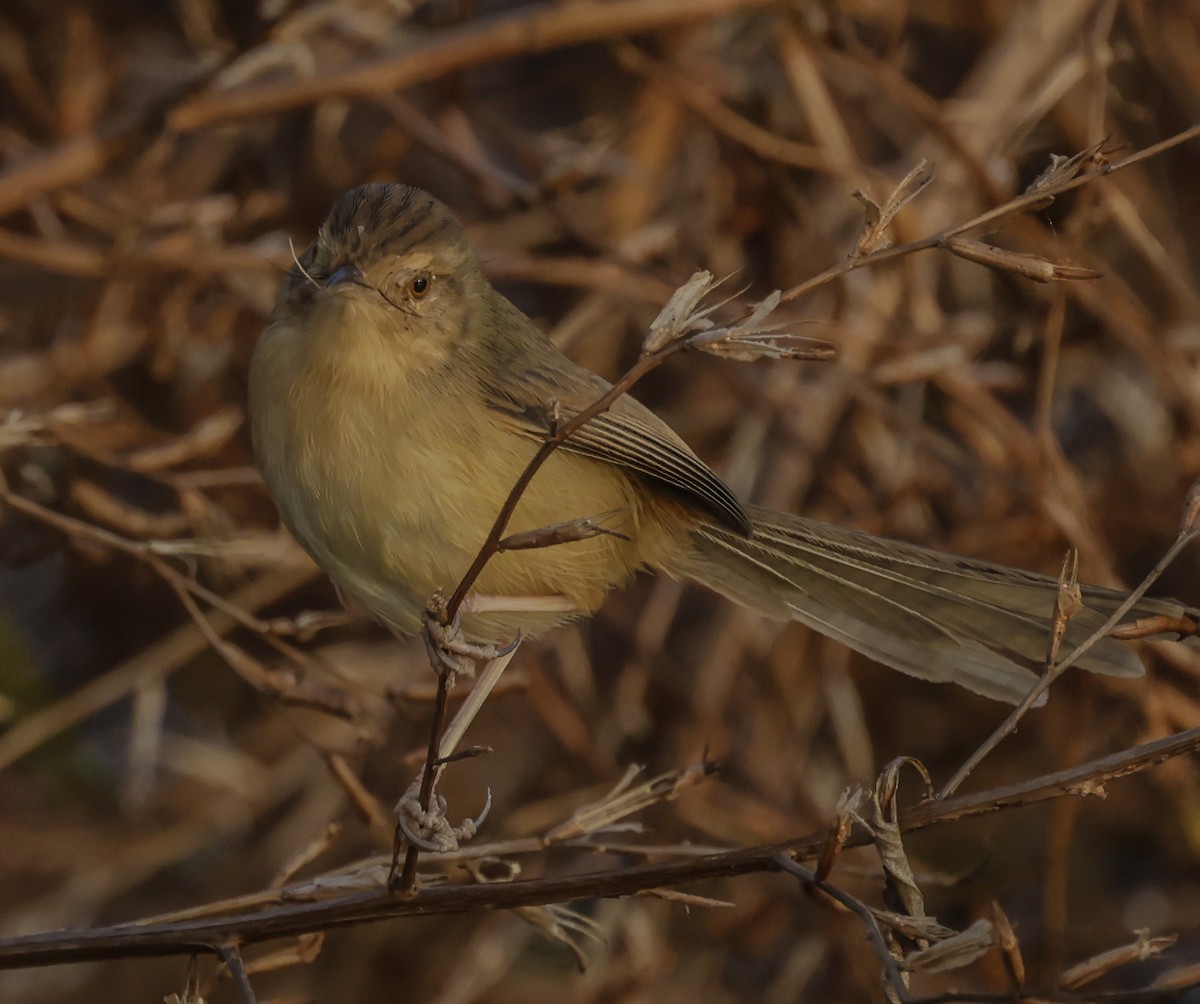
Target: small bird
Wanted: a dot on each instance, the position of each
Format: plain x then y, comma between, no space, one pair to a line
396,396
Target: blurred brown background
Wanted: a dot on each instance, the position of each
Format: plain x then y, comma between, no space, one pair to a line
157,158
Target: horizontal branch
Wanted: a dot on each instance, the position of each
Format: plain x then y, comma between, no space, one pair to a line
292,919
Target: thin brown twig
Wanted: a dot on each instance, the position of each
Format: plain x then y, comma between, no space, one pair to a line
1052,673
232,957
870,921
991,216
290,918
408,874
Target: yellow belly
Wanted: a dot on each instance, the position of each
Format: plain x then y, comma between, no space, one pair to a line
395,510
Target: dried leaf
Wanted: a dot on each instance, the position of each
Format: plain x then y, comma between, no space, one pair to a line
681,316
622,800
849,804
747,340
888,840
1070,598
1010,948
750,348
1142,948
685,898
568,532
954,952
1064,168
750,339
761,311
1152,627
301,951
1068,602
1028,265
562,924
873,235
916,928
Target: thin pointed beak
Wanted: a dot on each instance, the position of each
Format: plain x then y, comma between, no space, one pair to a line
347,273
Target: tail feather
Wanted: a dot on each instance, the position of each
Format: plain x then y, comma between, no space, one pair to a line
933,615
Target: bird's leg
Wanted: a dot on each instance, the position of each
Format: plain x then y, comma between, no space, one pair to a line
428,828
451,654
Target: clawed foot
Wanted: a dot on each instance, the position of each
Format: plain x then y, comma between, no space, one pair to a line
429,829
446,645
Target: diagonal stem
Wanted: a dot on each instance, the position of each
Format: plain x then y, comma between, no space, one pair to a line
1054,672
408,873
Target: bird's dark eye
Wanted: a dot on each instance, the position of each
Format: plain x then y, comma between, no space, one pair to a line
419,285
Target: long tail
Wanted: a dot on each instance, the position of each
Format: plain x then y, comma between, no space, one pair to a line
933,615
